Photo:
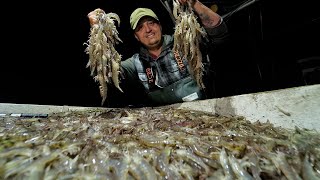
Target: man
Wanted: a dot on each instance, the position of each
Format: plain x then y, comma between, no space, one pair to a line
156,65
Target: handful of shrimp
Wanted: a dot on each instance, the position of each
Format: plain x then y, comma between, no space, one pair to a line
104,60
187,37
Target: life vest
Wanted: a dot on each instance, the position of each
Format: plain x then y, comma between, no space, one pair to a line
184,88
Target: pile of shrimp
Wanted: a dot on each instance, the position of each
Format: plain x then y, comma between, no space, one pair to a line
104,60
187,37
154,143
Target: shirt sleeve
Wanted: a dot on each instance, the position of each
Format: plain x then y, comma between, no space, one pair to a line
218,33
128,69
134,92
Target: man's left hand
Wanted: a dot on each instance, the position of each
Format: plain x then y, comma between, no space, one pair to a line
183,2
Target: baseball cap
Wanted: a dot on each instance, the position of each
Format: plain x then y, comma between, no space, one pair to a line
138,14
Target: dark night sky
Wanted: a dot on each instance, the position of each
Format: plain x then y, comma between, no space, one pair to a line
44,60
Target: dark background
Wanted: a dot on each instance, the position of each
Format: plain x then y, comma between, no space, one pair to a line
272,45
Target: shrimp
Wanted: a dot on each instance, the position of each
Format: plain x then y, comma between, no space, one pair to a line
104,60
187,36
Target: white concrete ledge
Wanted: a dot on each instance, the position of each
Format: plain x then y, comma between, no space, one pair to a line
299,106
10,108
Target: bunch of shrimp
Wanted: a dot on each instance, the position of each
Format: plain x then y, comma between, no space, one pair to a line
187,36
104,60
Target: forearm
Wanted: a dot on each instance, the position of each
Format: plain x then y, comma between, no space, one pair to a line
208,18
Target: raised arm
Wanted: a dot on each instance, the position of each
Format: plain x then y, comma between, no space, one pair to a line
208,18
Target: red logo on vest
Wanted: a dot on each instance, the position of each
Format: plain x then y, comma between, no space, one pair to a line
179,60
149,75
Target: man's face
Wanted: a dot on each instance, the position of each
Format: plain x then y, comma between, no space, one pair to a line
148,32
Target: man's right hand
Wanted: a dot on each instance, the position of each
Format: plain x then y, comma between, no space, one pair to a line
93,16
